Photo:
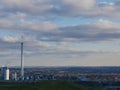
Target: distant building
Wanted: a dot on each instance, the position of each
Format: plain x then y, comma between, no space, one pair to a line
14,76
5,73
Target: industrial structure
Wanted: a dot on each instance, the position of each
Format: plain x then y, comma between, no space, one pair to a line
22,62
5,73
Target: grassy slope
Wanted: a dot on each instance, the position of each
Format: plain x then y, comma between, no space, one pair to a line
42,85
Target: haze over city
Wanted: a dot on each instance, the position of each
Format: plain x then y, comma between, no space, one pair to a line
60,32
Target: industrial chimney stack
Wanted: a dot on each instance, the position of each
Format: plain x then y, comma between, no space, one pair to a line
22,62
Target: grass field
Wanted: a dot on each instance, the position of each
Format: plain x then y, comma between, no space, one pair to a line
42,85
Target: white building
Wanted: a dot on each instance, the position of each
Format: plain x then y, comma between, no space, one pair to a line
5,73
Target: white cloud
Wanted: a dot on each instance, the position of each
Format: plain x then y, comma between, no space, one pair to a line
25,6
27,26
106,25
10,39
37,26
18,15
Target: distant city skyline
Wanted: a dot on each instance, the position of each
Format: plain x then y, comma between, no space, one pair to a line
60,32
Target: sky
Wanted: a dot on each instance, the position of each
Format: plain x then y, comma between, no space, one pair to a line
60,32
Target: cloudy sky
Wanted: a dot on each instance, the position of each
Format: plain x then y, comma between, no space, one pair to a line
60,32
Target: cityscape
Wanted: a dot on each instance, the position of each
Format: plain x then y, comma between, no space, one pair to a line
107,77
99,74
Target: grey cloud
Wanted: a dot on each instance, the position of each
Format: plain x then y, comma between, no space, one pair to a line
32,19
88,9
51,8
30,8
101,30
48,31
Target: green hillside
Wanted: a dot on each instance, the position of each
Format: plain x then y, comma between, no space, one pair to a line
42,85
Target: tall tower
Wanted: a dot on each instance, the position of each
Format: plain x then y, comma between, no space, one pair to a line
22,62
